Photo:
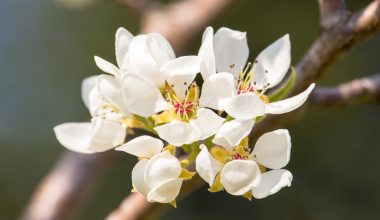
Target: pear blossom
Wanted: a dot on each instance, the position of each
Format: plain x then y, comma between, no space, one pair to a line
101,95
243,172
158,175
107,128
160,86
239,90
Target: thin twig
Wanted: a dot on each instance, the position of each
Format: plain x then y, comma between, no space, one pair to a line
363,90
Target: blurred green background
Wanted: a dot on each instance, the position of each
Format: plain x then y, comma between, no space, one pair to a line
46,50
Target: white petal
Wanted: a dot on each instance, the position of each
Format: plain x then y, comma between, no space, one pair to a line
181,72
162,167
140,61
244,106
138,179
122,39
206,54
159,48
273,63
207,166
74,136
271,182
207,122
142,97
239,176
97,136
142,146
231,133
109,88
231,48
178,133
106,66
87,85
289,104
217,88
106,135
165,192
272,149
95,101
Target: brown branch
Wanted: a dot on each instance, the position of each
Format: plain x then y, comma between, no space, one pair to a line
182,21
334,42
327,49
331,12
364,90
140,7
135,205
65,187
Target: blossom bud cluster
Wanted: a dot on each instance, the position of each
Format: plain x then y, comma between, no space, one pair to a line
210,118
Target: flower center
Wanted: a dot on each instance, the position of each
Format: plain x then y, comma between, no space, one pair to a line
183,109
240,153
237,156
109,111
246,82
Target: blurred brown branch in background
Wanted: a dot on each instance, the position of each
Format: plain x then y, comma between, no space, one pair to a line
180,22
340,31
364,90
67,185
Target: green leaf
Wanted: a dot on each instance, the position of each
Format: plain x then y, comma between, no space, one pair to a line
286,88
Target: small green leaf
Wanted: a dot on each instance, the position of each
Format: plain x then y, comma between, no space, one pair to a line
286,88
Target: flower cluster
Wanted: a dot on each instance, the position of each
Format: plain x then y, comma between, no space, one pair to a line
152,89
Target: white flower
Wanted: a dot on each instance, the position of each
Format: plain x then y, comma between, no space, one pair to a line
101,95
237,90
156,81
158,174
238,171
107,128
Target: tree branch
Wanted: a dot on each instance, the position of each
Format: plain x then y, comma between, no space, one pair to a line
326,50
65,187
334,42
140,7
364,90
182,21
331,12
135,205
